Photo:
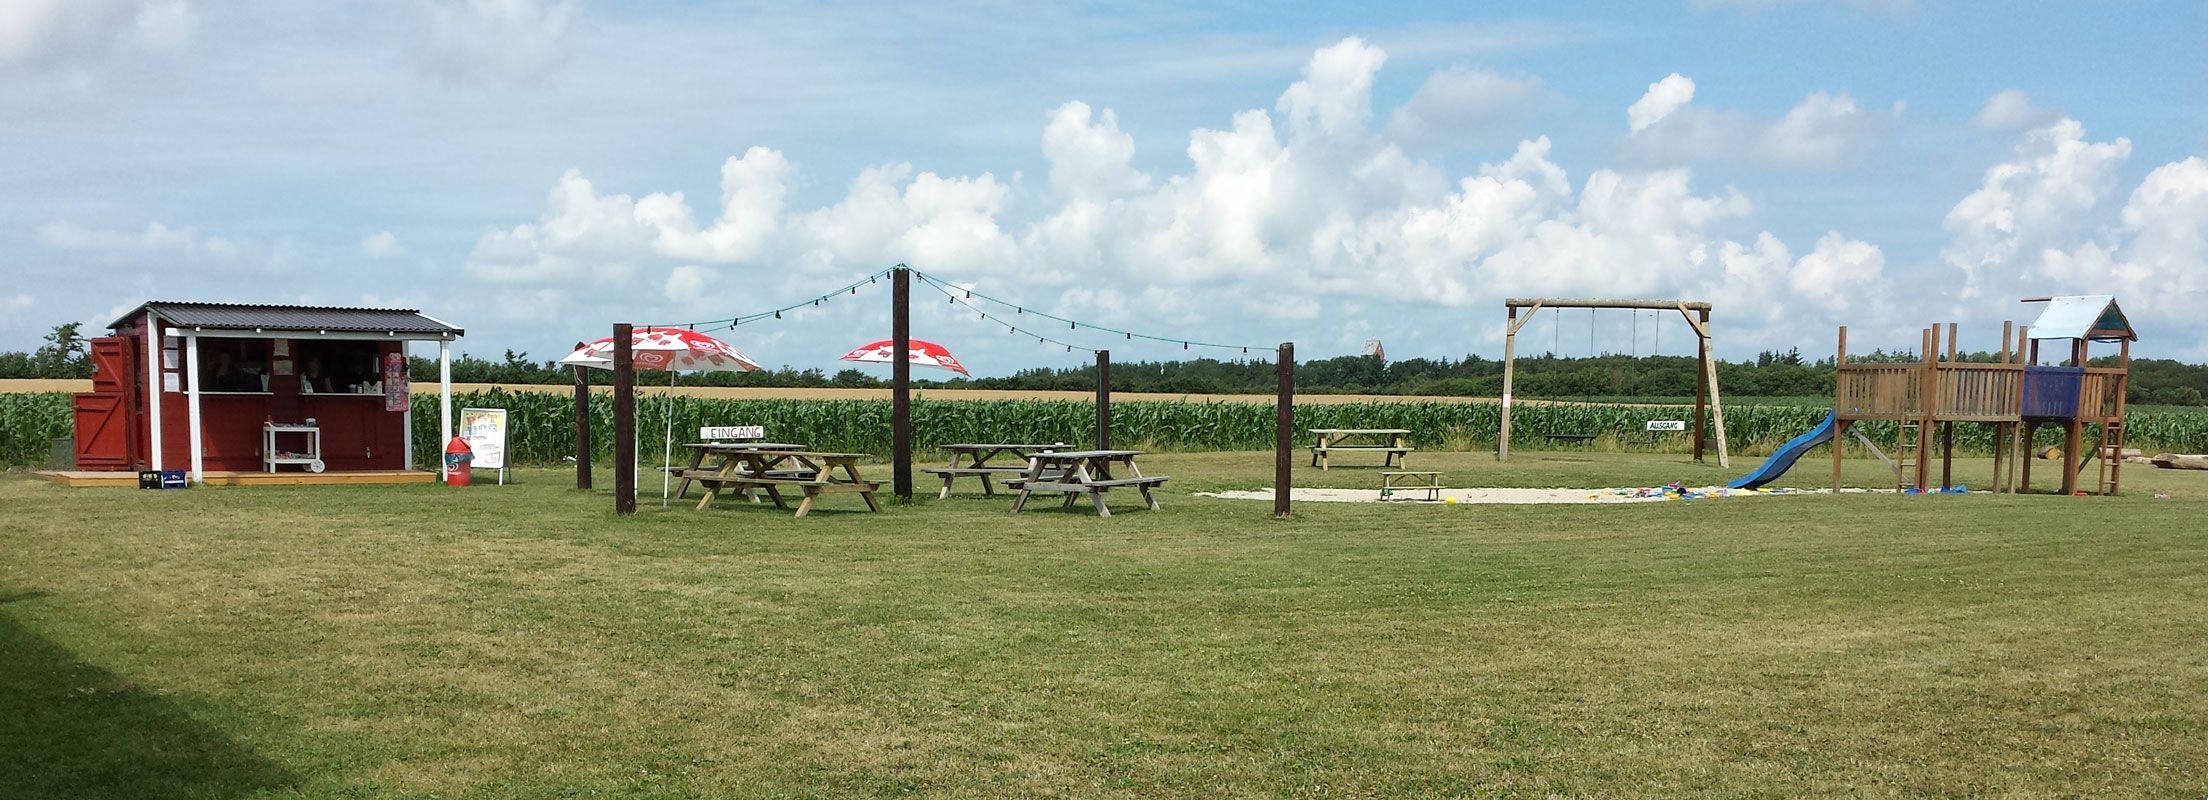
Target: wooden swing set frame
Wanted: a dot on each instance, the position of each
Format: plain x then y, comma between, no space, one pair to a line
1707,405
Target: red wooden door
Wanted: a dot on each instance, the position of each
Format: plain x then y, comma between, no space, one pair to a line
107,416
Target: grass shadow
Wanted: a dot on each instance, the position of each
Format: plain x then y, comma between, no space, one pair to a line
71,729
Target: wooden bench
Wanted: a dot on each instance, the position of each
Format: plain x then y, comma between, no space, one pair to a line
1096,489
1428,482
822,473
1020,480
987,475
1393,442
1581,439
1086,473
970,460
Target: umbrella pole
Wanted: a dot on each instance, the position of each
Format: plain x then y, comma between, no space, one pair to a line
667,445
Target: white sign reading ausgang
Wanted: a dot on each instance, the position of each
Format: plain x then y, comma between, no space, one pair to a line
732,432
1667,425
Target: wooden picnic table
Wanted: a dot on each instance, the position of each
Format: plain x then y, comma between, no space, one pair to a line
1089,472
1395,443
700,450
815,474
973,460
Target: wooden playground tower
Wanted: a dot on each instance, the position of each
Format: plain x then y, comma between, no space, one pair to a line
2014,394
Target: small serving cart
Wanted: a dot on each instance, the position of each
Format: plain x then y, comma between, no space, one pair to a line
311,458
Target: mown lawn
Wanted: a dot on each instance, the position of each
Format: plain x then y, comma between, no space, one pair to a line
525,642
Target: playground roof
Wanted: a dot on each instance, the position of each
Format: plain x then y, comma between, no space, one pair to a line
2088,316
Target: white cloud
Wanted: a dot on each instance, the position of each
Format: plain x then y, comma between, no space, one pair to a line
495,41
1335,96
689,285
381,245
40,33
752,190
1090,161
155,239
1662,98
1457,103
2157,257
2041,199
1837,271
1823,130
12,306
2012,109
1323,212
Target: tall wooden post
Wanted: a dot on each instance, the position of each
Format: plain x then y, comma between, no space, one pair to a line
900,394
1510,368
1701,386
1717,398
1840,421
624,420
582,426
1284,429
1103,399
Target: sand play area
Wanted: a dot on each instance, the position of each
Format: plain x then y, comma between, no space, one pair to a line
1656,494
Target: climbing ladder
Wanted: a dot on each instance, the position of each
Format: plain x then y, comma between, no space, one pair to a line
2111,454
1909,455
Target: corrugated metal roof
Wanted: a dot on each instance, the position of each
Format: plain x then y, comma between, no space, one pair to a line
2087,316
253,316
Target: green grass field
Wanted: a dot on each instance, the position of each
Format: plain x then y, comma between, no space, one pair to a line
525,642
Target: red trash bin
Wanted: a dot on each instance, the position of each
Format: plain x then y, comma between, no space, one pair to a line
457,457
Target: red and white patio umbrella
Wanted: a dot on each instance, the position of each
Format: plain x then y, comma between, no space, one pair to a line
921,352
671,349
674,350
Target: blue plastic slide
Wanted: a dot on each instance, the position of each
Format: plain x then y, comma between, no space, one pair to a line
1783,459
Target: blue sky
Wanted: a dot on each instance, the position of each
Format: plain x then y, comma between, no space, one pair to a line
1323,173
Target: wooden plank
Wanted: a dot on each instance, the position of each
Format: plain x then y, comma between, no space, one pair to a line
1510,369
1563,302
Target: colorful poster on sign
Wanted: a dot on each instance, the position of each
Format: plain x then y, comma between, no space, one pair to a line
395,393
485,431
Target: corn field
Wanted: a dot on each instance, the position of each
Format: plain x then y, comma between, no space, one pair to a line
542,425
29,423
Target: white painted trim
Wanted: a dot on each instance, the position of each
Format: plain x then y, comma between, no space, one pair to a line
153,387
444,403
279,333
191,401
406,418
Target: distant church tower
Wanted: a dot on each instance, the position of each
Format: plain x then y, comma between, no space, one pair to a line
1373,349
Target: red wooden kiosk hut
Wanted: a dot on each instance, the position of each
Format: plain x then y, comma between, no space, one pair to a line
237,384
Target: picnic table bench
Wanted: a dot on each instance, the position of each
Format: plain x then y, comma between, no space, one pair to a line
1393,442
1085,472
1573,438
816,474
1428,482
697,468
972,460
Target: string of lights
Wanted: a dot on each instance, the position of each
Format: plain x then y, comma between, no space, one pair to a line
846,290
1018,310
1008,327
962,296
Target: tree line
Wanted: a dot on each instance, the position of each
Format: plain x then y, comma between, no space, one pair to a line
1604,377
